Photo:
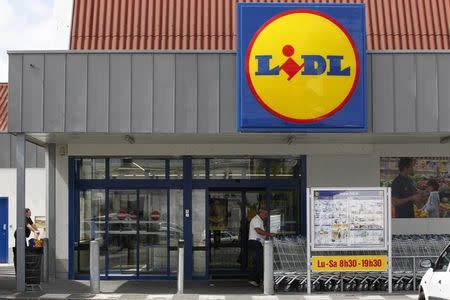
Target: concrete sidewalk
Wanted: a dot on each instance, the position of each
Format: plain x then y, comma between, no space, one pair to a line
166,290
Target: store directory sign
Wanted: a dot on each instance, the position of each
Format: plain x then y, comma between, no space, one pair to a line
301,67
349,219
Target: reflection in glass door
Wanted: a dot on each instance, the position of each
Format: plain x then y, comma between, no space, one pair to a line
229,216
143,230
153,232
122,232
92,226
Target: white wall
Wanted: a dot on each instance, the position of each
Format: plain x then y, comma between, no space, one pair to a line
35,197
342,171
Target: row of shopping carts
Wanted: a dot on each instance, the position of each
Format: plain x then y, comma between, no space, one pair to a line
290,266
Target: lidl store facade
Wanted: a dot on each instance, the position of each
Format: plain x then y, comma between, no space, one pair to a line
146,148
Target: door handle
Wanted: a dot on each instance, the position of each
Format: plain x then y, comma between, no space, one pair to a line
4,226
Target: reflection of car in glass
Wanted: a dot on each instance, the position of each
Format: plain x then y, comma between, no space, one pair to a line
435,284
226,237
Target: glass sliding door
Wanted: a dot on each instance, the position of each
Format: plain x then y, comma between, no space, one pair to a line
199,232
153,232
229,214
284,211
175,227
92,225
122,232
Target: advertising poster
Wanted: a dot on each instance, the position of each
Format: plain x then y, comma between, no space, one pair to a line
349,219
425,169
40,222
218,214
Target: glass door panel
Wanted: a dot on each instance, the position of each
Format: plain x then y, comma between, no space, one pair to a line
175,227
199,232
284,212
122,232
153,232
224,221
92,226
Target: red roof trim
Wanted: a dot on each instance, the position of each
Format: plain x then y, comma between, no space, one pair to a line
211,25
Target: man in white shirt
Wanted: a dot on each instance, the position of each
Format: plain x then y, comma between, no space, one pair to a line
256,237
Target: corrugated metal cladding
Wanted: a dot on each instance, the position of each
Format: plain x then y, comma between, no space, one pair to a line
35,155
211,24
3,107
196,93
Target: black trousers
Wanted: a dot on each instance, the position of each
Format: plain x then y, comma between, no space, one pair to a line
255,249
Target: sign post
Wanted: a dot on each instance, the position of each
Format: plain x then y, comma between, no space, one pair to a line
349,220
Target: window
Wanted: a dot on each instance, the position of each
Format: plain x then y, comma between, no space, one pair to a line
284,168
176,169
198,169
90,168
443,261
237,168
134,168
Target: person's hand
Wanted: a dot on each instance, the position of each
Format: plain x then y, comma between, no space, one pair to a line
416,197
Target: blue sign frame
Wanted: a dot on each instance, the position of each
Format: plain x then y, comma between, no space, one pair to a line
253,117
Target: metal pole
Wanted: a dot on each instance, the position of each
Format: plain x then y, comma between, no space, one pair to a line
20,211
268,267
180,266
95,266
414,273
44,274
308,244
389,240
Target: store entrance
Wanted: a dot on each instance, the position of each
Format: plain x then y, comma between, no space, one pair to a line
230,213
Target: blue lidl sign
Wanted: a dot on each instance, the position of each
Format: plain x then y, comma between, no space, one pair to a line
301,67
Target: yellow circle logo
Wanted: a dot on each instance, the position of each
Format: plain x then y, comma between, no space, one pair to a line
302,66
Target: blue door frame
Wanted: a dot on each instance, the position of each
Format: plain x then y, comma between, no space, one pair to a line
187,184
3,230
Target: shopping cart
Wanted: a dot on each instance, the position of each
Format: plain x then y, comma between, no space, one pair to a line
290,265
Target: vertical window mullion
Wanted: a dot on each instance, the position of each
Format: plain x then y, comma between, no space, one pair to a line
207,169
168,231
138,227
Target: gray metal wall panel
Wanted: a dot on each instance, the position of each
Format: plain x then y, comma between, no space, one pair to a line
33,93
30,159
443,63
76,93
369,94
142,95
186,94
227,107
120,93
54,92
12,151
208,93
15,93
427,97
98,93
383,93
164,93
5,150
169,93
34,155
405,93
40,157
